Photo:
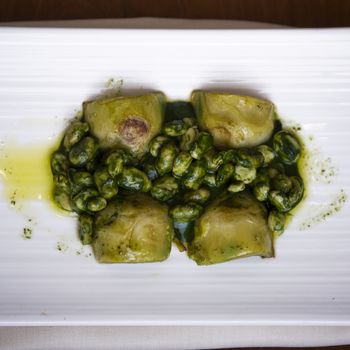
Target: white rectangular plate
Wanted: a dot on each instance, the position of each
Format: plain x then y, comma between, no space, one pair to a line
45,74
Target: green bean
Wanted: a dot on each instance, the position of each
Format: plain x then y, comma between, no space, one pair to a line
134,179
237,186
261,191
276,221
203,143
175,128
80,200
164,188
282,183
83,152
181,164
188,138
285,202
210,180
247,175
59,163
194,176
249,158
268,154
287,147
115,162
74,133
62,182
297,191
96,204
228,156
212,160
86,232
166,158
199,196
107,186
262,176
186,212
275,169
224,174
92,165
279,200
156,144
62,199
80,180
150,170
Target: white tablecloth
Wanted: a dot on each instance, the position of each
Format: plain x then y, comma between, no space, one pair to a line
96,338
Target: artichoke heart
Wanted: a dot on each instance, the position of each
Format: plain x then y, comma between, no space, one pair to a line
233,120
128,122
133,229
233,226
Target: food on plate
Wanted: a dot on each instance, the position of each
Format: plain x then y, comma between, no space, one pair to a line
126,122
233,120
134,229
232,226
218,176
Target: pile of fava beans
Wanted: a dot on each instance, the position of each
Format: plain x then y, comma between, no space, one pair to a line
182,168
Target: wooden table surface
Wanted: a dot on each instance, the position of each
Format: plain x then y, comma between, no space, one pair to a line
299,13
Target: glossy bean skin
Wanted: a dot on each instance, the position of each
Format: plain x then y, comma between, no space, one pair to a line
134,179
59,163
86,231
188,138
80,199
176,127
61,192
276,221
186,212
267,153
285,202
80,180
166,157
249,158
115,162
261,191
287,147
200,196
224,174
282,183
280,201
212,160
297,191
181,164
96,204
229,156
194,176
62,182
244,174
62,199
151,171
156,144
203,143
165,188
210,180
235,187
107,186
83,152
74,133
